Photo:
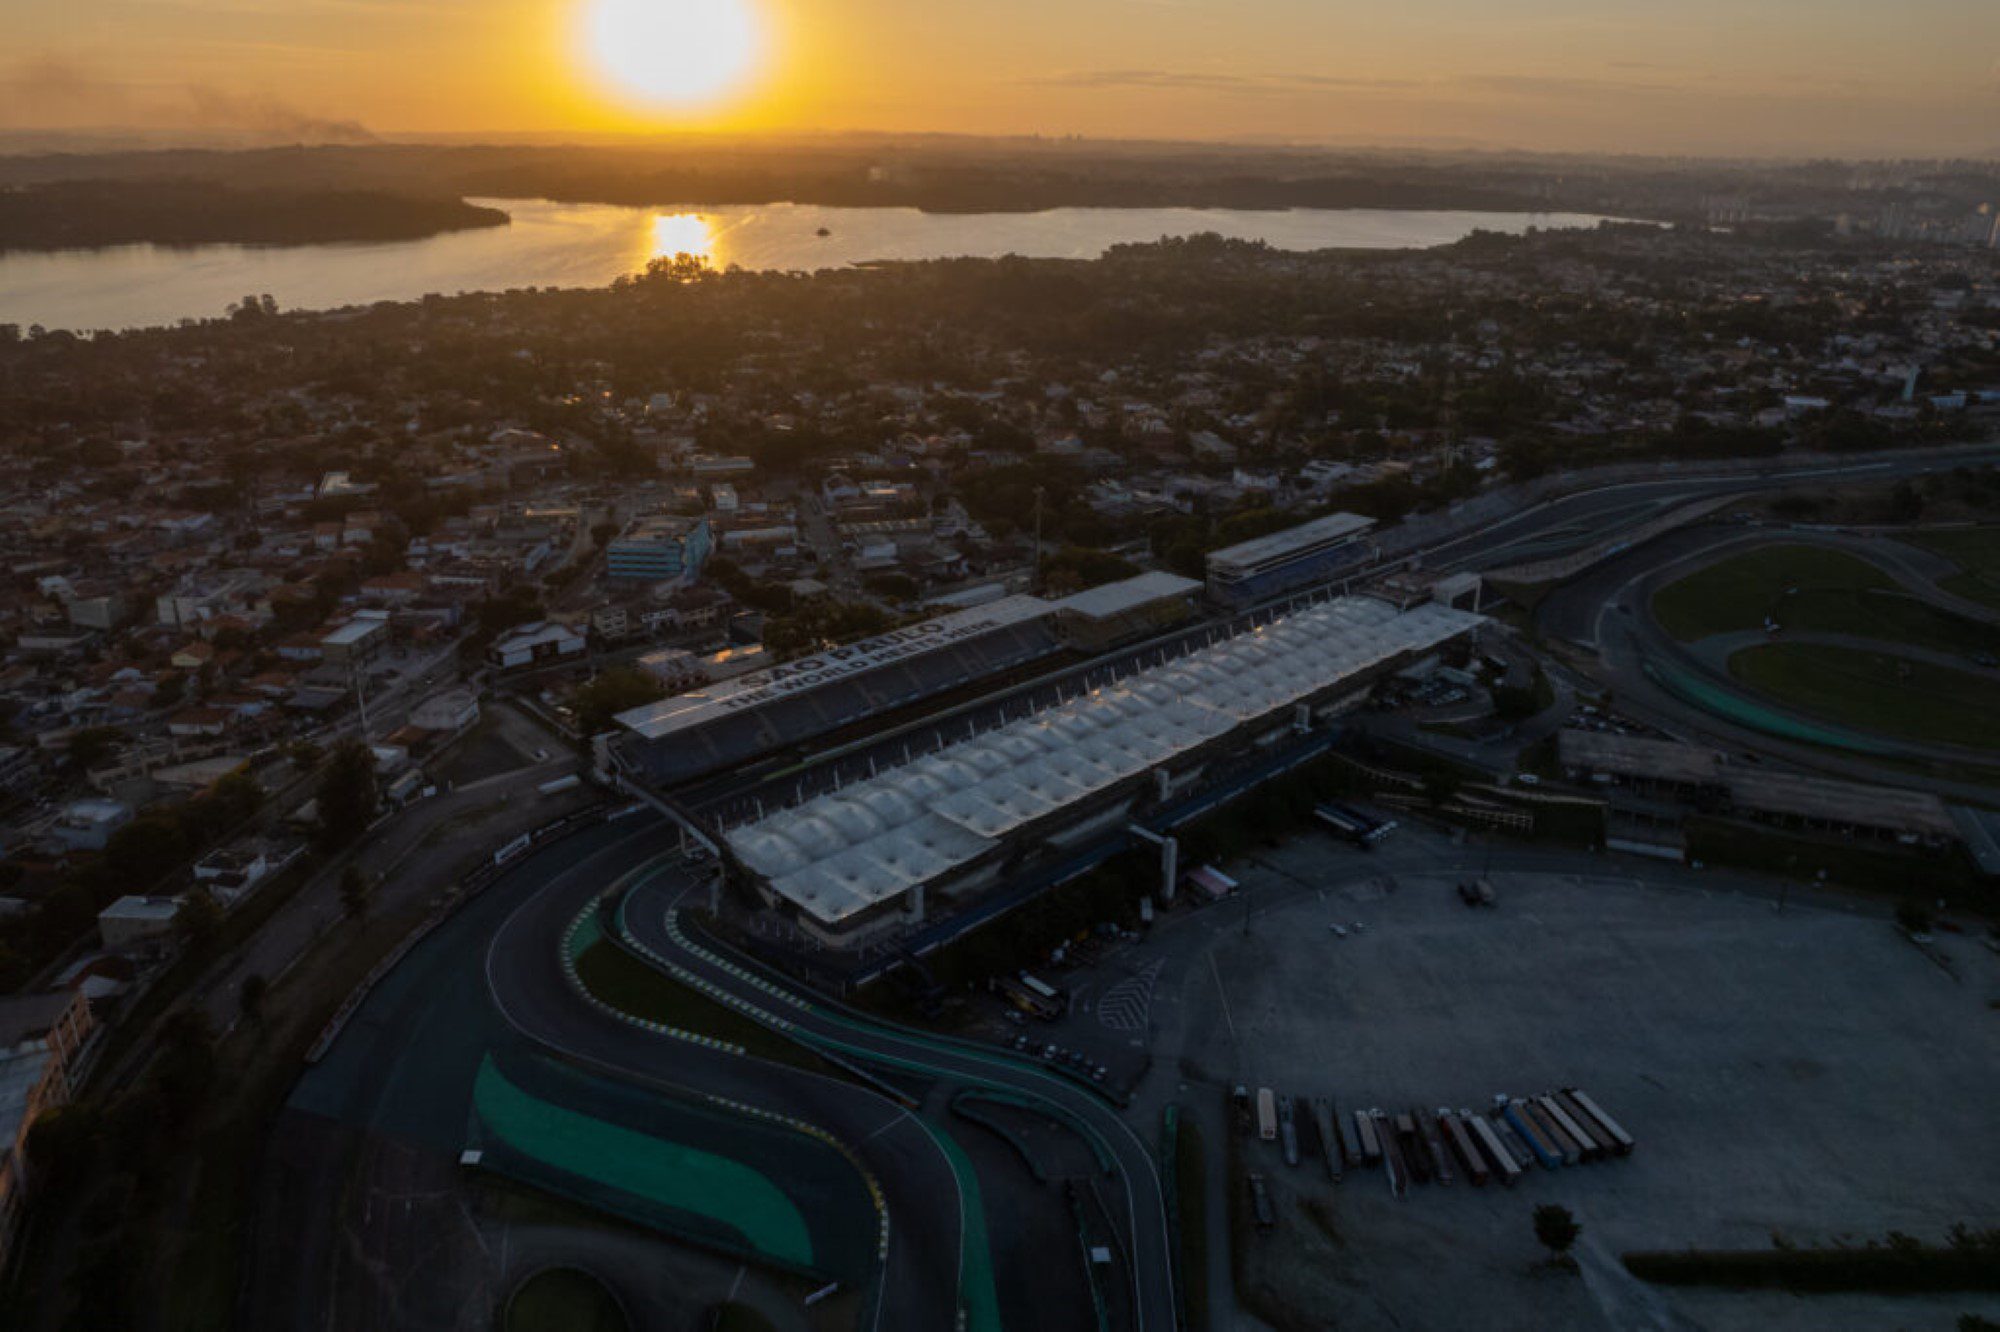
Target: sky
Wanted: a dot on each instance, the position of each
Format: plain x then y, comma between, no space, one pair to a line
1734,77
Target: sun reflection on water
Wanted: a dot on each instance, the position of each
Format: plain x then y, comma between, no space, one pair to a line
683,233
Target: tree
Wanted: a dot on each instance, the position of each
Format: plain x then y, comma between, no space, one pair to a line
611,693
141,851
250,996
184,1073
347,794
93,744
357,892
65,1143
1556,1229
198,920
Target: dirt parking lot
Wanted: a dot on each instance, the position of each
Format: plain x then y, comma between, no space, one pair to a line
1811,1075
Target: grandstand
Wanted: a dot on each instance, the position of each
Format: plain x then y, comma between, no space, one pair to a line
1104,617
691,735
854,863
1280,562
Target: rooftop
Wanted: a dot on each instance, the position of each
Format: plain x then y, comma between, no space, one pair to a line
1249,555
659,527
1101,603
841,853
684,711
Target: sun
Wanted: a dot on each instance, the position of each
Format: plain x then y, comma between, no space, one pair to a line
679,53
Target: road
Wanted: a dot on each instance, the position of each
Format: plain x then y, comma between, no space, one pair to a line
651,912
1613,603
493,973
402,1070
1573,522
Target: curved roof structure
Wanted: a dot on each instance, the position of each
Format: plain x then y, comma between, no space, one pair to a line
843,852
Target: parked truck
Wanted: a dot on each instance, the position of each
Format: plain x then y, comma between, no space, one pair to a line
1611,1126
1600,1138
1550,1158
1551,1133
1586,1143
1288,1129
1329,1139
1260,1202
1459,1143
1267,1114
1364,1131
1504,1165
1350,1141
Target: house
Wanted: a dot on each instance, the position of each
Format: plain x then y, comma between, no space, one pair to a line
41,1036
357,642
231,872
453,710
534,644
396,589
199,722
87,825
133,920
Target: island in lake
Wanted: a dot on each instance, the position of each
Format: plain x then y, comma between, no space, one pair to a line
83,214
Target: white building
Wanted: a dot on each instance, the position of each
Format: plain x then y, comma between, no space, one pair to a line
536,643
87,825
134,920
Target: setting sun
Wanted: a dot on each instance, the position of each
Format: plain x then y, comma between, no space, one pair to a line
678,53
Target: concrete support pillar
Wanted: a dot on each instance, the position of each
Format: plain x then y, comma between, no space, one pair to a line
1161,784
1170,867
1302,718
917,904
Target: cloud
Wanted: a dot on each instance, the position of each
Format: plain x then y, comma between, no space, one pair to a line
213,108
1203,81
45,89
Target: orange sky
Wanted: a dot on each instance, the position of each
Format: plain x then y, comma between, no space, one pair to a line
1741,76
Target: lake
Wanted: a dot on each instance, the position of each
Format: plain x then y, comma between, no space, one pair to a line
588,245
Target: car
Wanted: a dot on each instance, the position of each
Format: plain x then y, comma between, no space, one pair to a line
1339,930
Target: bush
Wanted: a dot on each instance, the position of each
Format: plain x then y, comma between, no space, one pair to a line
1969,1260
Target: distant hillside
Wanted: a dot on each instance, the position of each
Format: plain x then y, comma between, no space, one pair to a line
80,214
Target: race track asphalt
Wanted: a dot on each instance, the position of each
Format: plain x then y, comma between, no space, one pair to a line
399,1082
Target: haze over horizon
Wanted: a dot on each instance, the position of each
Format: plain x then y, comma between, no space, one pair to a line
1779,77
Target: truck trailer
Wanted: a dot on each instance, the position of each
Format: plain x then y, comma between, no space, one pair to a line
1549,1157
1586,1143
1551,1134
1267,1114
1610,1125
1504,1164
1329,1138
1350,1141
1371,1144
1459,1143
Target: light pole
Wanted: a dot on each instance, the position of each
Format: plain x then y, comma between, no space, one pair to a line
1038,540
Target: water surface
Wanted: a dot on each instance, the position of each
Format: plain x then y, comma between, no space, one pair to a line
588,245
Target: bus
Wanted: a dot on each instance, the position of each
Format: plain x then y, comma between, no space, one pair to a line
1028,1001
1043,988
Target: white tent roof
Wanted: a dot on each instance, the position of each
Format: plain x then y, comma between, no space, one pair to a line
840,853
